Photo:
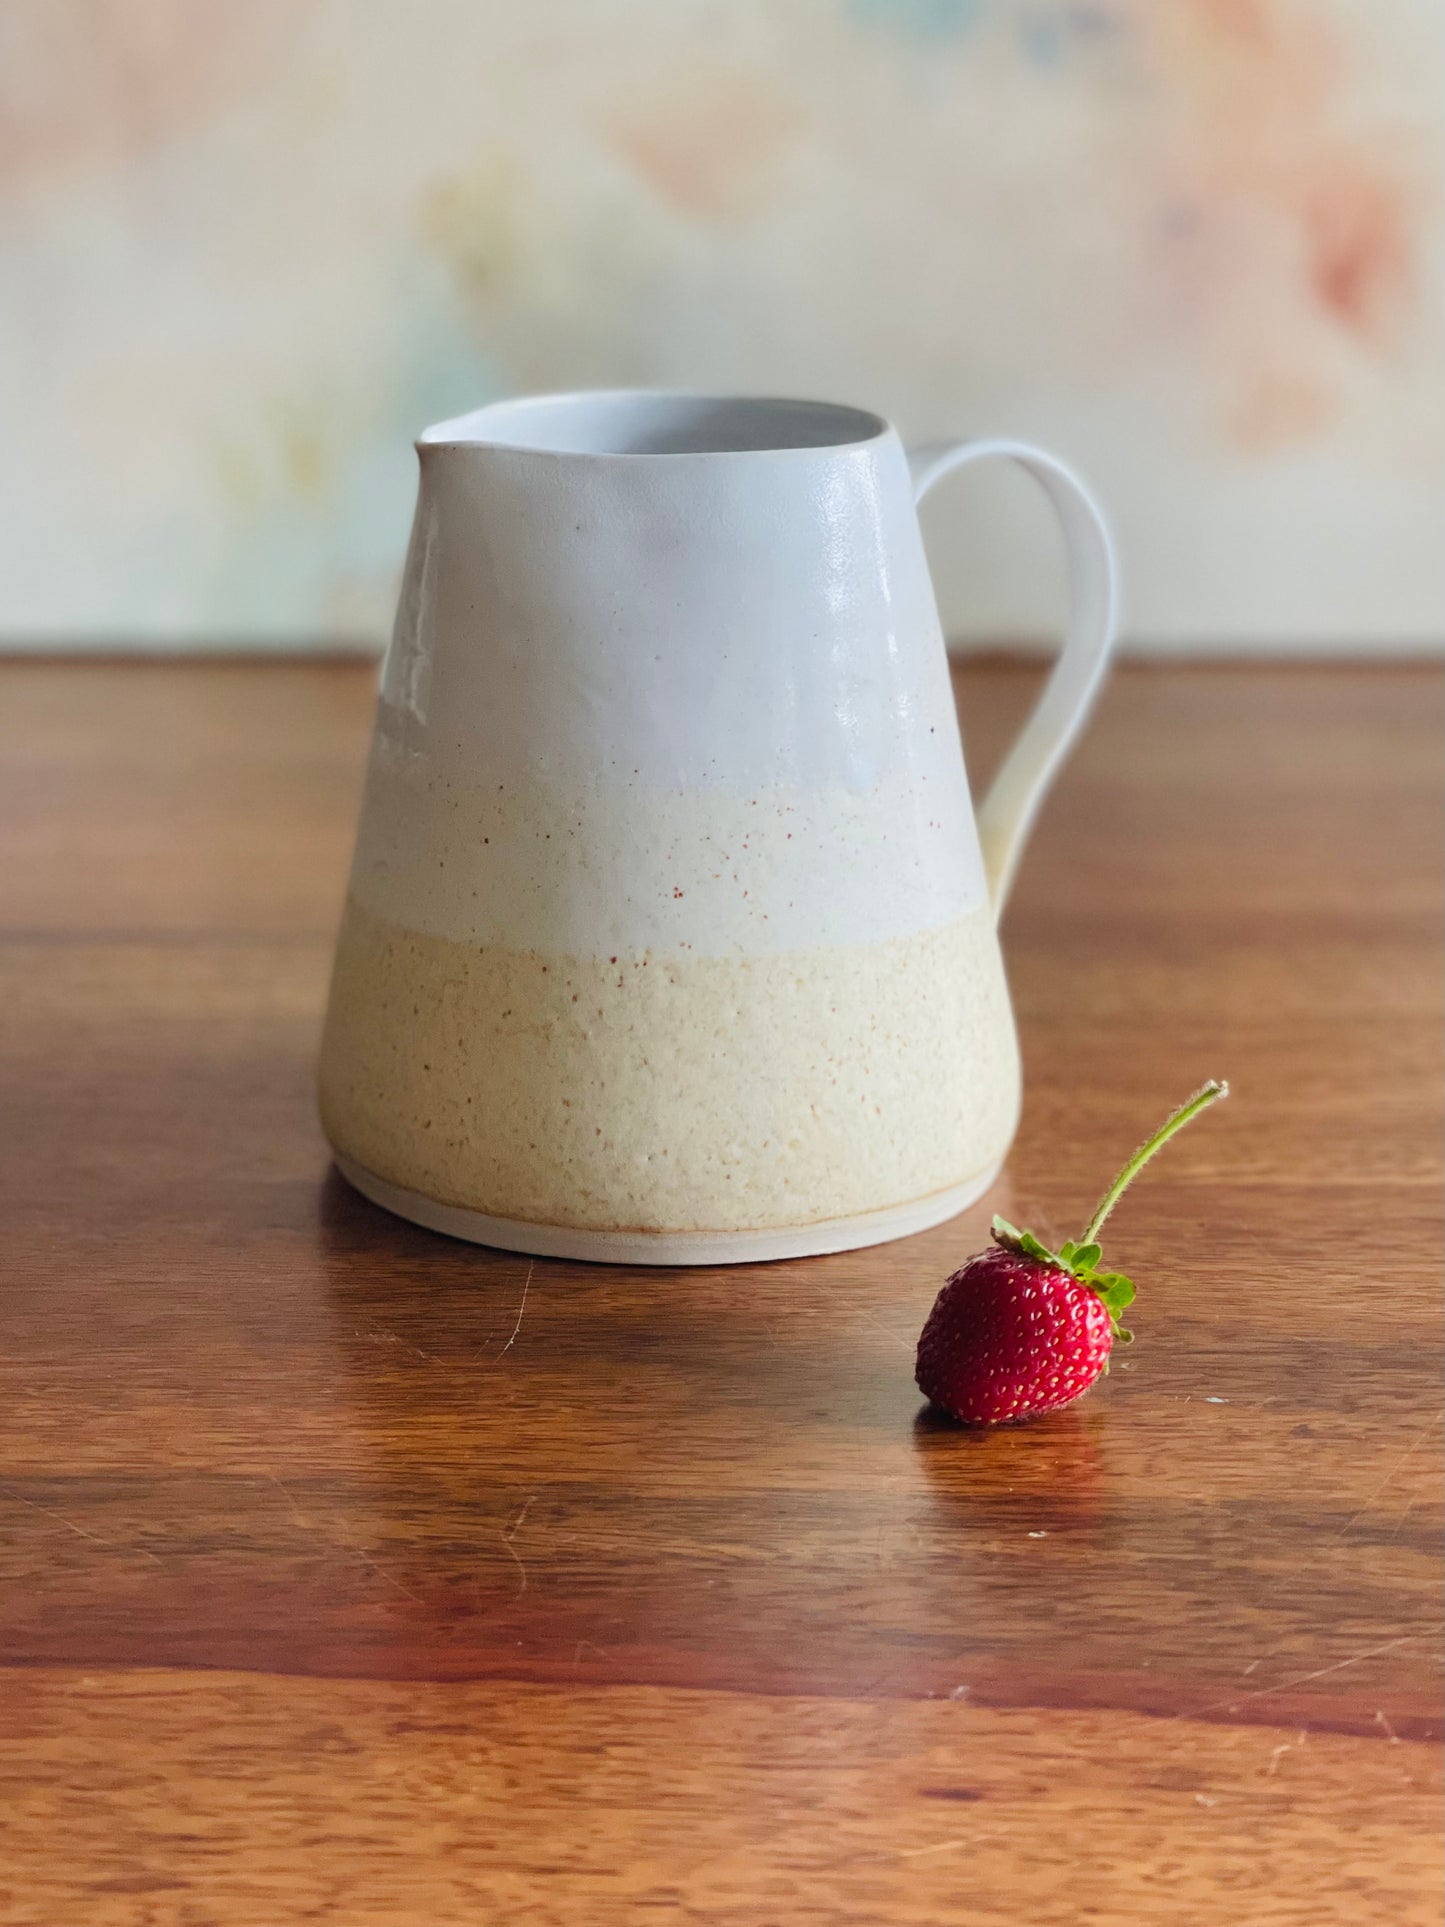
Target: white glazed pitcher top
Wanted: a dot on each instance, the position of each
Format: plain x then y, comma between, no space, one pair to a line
734,591
640,633
672,664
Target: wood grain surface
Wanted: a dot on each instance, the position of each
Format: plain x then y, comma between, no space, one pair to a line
351,1574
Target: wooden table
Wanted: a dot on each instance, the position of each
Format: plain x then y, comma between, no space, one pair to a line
340,1584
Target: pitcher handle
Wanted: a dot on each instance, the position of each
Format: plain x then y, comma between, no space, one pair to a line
1007,813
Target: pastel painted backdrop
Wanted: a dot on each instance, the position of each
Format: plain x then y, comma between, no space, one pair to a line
249,247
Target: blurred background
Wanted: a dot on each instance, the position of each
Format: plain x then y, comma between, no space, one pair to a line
249,248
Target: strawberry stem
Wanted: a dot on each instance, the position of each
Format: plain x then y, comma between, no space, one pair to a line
1200,1101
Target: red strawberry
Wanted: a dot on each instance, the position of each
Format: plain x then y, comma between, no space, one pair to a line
1021,1329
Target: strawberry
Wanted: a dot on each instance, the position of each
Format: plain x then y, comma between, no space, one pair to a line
1021,1329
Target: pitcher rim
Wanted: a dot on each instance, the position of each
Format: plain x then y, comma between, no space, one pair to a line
468,430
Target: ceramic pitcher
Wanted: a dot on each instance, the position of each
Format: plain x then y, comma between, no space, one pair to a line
671,934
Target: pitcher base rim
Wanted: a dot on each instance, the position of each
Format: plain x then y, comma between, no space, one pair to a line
669,1247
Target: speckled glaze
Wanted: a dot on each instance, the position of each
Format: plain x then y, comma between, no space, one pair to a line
667,721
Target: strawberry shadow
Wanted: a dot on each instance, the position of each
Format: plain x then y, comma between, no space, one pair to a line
1049,1469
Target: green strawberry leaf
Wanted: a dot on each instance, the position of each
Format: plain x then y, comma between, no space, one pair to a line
1024,1242
1082,1262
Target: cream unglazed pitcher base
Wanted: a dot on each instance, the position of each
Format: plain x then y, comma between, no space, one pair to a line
671,936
